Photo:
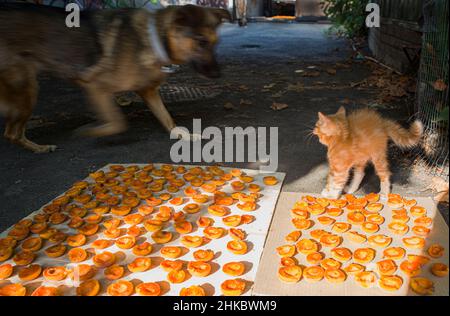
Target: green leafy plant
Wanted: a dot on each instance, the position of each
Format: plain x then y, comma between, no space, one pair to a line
443,116
348,16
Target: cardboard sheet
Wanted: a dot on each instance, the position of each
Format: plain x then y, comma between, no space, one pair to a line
267,282
256,236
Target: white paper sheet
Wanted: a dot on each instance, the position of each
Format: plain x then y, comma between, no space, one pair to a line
256,235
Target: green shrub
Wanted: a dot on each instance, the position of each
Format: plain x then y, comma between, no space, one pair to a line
348,16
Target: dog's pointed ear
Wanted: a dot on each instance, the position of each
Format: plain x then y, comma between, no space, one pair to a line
221,15
182,16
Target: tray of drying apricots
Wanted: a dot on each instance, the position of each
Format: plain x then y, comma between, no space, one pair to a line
153,229
366,245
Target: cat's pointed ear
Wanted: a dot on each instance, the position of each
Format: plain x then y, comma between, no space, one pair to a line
322,117
341,111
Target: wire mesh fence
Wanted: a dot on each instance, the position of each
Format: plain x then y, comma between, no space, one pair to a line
432,92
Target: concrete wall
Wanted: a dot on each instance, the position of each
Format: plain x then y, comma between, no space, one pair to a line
309,8
255,8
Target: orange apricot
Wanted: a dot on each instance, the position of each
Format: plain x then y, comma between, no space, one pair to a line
203,255
13,289
120,288
183,227
314,258
126,242
55,273
314,273
148,289
77,255
238,247
6,270
114,272
30,272
364,255
169,265
307,246
234,268
88,288
171,252
192,241
45,291
176,276
140,264
199,268
291,274
143,249
104,259
214,232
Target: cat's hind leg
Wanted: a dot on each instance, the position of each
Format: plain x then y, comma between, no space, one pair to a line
381,165
358,176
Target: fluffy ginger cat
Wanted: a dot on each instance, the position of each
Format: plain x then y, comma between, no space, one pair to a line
356,139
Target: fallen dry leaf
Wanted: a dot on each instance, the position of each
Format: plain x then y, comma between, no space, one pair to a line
269,86
311,74
331,71
278,94
278,106
341,65
229,106
397,91
439,85
296,87
246,102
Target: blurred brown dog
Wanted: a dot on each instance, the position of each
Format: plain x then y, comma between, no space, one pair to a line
111,51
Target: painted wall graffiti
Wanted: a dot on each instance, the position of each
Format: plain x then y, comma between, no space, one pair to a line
224,4
149,4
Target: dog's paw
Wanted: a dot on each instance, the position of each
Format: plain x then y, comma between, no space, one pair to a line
107,129
42,149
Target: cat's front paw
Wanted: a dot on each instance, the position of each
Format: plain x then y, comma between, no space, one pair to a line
331,194
385,189
350,190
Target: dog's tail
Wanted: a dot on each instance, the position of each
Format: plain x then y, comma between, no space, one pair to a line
405,138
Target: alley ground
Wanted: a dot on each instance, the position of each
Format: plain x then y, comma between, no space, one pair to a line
293,64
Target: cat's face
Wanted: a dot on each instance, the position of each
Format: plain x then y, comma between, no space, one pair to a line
329,126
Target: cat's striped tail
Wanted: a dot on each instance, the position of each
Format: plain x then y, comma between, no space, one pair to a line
405,138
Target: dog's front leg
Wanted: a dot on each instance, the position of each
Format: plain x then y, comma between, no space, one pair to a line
155,104
112,120
153,99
